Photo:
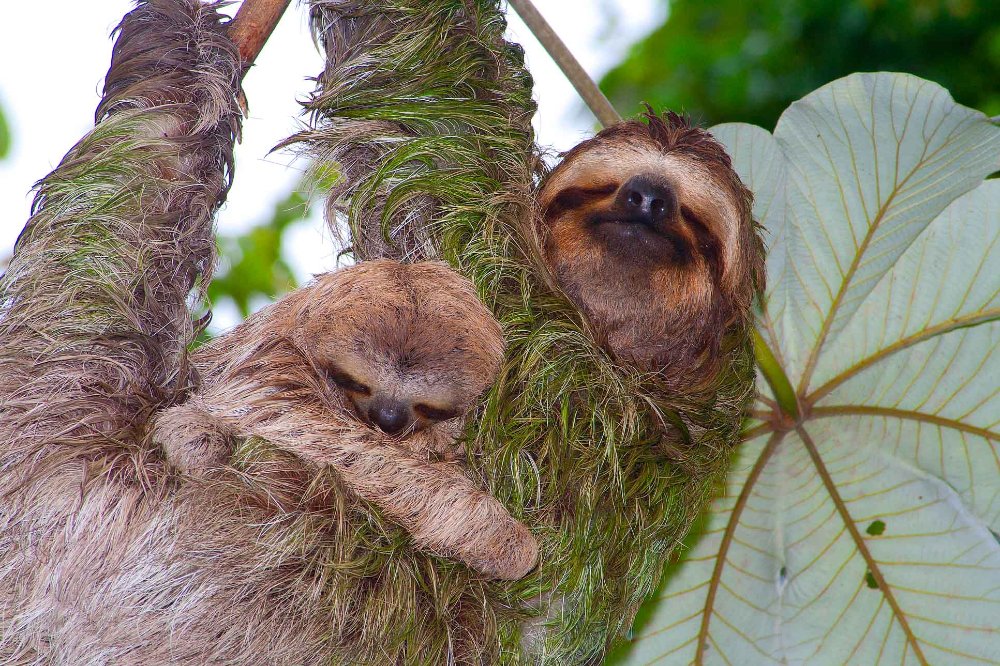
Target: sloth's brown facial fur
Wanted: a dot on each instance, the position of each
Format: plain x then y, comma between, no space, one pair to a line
647,229
409,347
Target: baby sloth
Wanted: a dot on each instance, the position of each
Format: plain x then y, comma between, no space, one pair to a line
370,369
648,230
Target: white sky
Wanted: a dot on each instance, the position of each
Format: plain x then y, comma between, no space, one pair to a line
54,54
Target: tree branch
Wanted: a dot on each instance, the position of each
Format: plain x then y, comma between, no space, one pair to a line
570,66
252,25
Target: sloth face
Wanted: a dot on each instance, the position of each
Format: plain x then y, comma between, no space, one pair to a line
632,207
647,229
409,346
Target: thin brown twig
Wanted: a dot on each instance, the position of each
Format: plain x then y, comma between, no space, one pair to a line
252,25
570,66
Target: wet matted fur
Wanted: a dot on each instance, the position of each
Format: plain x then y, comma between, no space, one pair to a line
425,110
107,553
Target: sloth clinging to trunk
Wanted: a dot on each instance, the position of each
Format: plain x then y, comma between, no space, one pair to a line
377,349
647,229
131,531
623,280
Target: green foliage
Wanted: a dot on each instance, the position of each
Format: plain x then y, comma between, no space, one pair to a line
252,265
4,136
730,60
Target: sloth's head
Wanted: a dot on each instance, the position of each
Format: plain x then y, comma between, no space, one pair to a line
647,228
408,345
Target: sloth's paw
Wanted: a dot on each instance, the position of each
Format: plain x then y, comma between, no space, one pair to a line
192,440
511,554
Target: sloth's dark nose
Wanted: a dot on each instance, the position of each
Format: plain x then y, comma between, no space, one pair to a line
646,200
391,416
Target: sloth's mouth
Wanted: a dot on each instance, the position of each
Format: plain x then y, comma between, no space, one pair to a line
625,226
636,239
624,234
630,223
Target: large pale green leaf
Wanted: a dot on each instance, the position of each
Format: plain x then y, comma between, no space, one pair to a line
865,532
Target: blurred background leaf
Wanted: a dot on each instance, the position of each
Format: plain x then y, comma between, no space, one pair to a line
251,264
253,269
4,135
731,60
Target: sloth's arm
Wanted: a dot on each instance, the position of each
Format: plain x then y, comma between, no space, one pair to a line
94,306
436,503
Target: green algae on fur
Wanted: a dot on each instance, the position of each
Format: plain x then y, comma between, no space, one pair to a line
94,305
425,110
95,301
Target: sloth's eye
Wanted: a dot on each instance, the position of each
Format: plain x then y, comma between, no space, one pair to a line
434,413
573,198
346,382
692,218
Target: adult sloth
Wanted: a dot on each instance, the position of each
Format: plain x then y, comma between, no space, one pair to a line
144,517
623,279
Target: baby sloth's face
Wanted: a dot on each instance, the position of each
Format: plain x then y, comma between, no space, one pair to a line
409,346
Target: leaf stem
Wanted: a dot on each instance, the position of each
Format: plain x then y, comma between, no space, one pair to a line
969,321
727,539
776,377
860,543
890,412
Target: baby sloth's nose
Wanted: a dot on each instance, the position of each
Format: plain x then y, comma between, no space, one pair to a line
390,416
646,200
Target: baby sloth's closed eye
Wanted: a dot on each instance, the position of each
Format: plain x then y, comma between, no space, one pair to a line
404,394
370,369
